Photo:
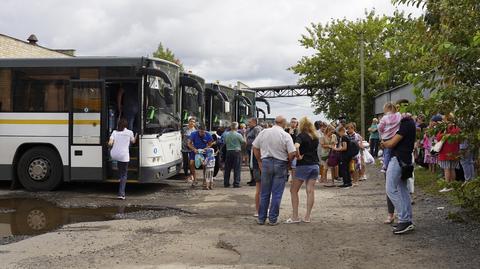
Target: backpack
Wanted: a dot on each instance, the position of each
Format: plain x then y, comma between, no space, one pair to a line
352,148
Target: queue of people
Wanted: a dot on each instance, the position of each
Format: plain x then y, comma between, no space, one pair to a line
307,153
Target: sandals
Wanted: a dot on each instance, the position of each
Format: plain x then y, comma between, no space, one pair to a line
306,221
389,220
292,221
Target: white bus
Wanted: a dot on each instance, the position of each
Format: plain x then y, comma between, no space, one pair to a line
56,116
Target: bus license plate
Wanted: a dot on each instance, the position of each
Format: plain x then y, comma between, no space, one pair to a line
172,169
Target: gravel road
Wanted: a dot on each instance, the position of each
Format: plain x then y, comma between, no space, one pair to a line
216,229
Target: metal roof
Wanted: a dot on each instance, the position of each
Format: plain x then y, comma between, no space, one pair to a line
81,61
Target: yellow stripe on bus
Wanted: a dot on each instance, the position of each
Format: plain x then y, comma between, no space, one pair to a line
57,122
86,122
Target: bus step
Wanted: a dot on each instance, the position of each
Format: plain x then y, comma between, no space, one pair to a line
134,151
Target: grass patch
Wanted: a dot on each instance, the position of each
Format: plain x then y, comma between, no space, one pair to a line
428,181
467,196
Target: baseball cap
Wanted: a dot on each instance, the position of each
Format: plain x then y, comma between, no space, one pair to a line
437,118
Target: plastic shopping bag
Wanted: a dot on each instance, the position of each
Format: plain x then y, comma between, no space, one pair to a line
411,184
199,158
367,157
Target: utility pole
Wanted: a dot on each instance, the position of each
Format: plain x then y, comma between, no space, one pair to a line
362,85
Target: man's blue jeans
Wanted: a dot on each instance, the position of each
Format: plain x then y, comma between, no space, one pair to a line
274,176
397,191
131,117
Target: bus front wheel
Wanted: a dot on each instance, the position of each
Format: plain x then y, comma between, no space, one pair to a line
40,169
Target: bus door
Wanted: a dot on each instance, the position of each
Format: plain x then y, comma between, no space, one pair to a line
86,145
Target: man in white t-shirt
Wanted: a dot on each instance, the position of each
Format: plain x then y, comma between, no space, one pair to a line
274,149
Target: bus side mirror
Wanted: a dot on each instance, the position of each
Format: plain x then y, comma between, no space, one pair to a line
200,98
168,95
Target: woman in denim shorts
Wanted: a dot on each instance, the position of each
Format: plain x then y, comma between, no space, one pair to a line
307,168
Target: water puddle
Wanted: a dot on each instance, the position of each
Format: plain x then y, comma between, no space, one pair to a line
28,217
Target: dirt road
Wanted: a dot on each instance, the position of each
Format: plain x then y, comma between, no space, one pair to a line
216,229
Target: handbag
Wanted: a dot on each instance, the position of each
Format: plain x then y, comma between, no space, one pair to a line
437,148
407,169
333,158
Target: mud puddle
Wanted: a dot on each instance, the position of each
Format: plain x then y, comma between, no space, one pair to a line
24,217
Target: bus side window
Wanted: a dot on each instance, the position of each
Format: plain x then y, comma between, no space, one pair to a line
5,90
31,95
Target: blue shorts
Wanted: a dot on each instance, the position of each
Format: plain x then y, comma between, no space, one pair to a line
307,172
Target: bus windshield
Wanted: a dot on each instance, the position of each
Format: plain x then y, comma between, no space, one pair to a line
190,104
160,107
221,118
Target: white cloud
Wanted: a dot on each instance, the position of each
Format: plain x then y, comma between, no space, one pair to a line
250,40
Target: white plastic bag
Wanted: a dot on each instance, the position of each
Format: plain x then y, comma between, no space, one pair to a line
367,157
411,184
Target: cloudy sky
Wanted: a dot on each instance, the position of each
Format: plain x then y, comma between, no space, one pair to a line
253,41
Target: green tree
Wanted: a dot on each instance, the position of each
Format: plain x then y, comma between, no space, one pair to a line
334,67
166,54
451,44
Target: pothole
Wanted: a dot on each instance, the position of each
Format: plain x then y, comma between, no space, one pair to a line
25,217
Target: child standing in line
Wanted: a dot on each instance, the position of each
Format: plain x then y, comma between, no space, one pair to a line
342,147
428,142
209,164
388,127
355,165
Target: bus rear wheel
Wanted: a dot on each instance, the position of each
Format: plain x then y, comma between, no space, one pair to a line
40,169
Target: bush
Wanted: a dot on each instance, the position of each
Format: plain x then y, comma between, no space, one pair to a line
468,196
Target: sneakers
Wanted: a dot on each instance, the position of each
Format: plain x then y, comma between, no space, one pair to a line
363,178
121,197
273,223
259,222
445,190
345,186
403,227
383,171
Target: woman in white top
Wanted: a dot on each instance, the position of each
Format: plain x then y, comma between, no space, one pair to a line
120,142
